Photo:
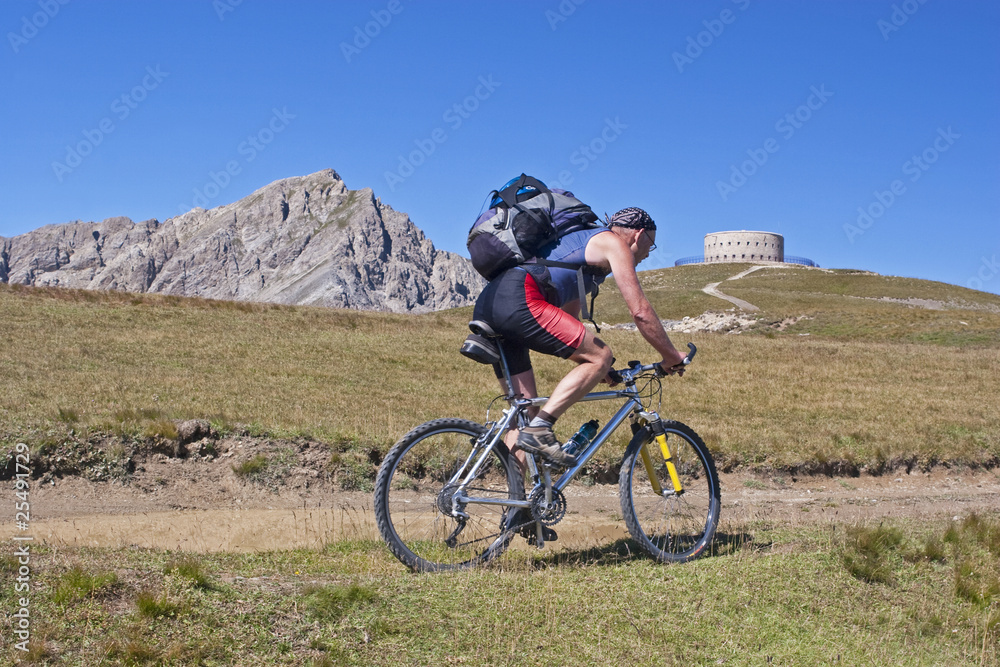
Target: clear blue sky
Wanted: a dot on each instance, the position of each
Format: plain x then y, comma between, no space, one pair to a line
725,114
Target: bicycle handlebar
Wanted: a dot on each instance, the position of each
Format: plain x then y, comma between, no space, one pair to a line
635,368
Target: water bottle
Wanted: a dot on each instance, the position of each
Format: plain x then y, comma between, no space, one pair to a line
581,438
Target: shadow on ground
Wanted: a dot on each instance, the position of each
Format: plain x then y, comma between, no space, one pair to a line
626,549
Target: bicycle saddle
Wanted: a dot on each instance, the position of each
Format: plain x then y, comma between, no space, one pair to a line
482,329
480,346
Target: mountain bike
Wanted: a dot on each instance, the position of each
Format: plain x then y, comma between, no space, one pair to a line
450,495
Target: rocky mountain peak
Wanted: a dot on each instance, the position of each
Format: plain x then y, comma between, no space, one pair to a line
306,240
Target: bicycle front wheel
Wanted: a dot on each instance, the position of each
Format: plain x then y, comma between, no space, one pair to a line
414,494
672,527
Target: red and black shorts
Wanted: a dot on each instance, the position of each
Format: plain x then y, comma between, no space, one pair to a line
514,304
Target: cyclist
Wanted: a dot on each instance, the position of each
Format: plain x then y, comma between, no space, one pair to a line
538,308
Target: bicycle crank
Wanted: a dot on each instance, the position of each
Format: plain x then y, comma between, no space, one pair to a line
548,514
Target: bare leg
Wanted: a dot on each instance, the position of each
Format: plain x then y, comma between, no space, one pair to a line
594,361
524,384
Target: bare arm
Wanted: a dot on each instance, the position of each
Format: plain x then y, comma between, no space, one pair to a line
609,251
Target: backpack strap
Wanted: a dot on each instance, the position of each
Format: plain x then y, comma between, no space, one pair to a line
585,313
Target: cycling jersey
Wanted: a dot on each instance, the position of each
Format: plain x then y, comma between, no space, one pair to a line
570,249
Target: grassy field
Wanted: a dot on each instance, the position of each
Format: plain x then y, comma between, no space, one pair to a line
902,594
875,386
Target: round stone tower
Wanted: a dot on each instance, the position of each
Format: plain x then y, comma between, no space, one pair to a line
744,246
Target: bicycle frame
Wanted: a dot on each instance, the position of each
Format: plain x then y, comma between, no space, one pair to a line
480,454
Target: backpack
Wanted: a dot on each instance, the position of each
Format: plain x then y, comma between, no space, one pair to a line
525,216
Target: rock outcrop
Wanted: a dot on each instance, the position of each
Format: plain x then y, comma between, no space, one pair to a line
306,240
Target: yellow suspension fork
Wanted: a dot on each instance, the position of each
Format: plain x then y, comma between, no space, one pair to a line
661,439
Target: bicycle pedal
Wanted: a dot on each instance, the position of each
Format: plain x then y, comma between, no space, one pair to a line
530,535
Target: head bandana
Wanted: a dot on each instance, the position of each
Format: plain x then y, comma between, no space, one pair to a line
633,218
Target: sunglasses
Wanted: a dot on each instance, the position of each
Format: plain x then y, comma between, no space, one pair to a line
652,246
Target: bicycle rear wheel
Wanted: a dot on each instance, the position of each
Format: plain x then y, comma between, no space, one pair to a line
413,504
673,528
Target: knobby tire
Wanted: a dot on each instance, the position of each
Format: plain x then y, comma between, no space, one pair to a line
672,528
408,492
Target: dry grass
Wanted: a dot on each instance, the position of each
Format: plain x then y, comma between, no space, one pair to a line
108,362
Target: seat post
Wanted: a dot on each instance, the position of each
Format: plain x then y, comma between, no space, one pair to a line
506,372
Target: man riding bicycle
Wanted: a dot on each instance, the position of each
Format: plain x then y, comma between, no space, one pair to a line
537,307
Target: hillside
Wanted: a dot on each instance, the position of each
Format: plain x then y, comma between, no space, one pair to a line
838,304
875,385
202,474
306,240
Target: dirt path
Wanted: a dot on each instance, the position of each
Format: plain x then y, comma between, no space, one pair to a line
712,290
75,513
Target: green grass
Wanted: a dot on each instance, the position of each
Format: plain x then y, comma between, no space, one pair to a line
770,595
92,378
843,305
332,602
78,584
189,569
153,605
866,556
252,468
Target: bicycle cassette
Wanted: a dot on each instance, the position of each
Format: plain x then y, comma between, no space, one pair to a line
551,514
445,504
